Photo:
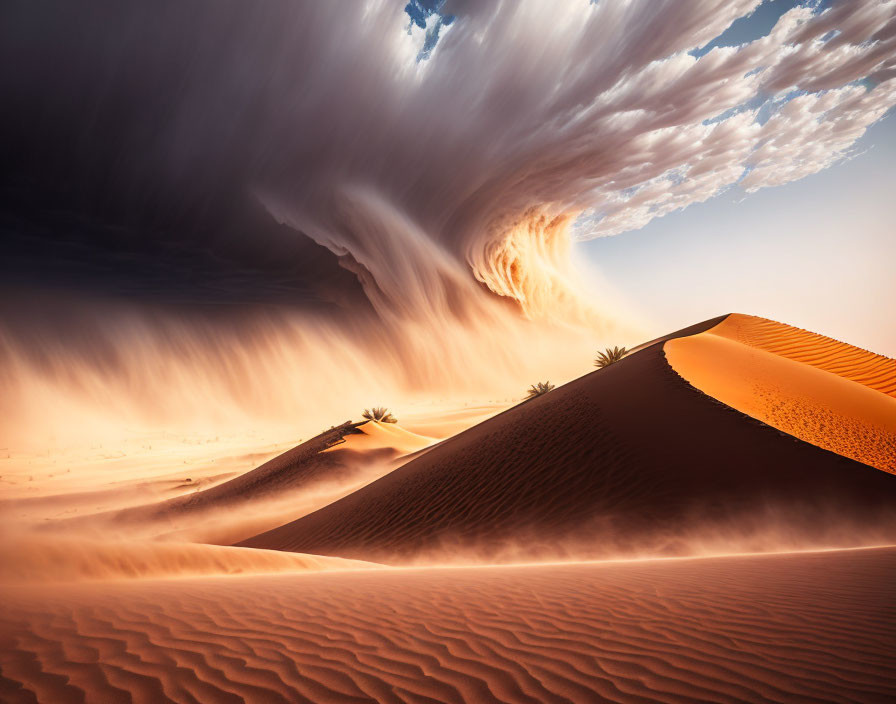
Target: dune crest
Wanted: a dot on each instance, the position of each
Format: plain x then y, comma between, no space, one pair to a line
848,361
373,435
825,392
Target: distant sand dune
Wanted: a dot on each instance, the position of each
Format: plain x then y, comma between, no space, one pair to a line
781,628
374,436
302,479
629,459
335,454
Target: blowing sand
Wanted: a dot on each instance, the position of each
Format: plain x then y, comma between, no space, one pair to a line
27,558
296,482
783,628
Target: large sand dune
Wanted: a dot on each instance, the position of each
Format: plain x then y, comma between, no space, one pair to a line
627,459
822,391
777,628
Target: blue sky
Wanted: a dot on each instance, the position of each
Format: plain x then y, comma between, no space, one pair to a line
759,23
818,253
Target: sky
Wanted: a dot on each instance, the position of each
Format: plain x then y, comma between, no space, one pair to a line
758,23
214,211
815,253
818,253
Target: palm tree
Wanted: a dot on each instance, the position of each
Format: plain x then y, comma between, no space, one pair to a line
380,415
609,356
540,389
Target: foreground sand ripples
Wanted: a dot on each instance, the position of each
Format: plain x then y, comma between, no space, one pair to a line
799,627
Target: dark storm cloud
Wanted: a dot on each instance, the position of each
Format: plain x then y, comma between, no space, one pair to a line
378,180
172,121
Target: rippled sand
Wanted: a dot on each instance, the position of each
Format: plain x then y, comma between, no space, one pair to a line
786,628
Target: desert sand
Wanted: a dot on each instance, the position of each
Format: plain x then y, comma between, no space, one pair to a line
630,459
822,391
867,368
643,533
783,628
302,304
312,474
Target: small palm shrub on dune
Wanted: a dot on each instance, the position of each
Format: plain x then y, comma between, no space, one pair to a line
539,389
380,415
609,356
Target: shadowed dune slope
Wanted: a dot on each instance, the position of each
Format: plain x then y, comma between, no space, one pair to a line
814,388
627,459
817,627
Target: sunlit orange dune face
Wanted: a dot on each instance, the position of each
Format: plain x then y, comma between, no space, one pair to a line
825,392
872,370
374,435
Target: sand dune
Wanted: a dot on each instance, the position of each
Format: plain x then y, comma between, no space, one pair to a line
782,628
819,390
333,455
378,436
872,370
308,476
629,459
